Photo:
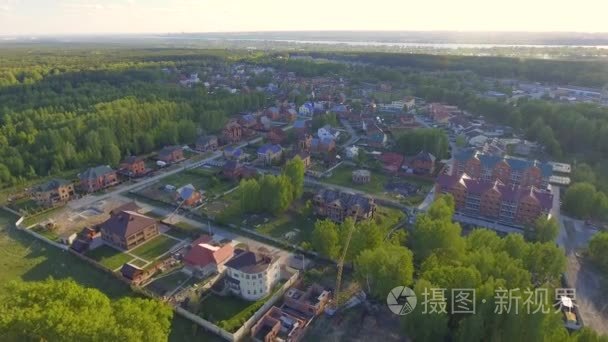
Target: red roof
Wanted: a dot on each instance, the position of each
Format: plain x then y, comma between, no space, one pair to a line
204,252
392,161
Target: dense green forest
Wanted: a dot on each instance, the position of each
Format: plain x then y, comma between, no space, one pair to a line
67,110
584,73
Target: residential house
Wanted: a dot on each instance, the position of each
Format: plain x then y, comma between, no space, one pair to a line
87,238
305,143
391,161
276,135
290,115
352,152
207,255
232,132
337,205
235,171
206,143
301,127
441,113
270,153
305,157
128,229
273,113
250,275
53,192
509,170
306,302
188,196
422,164
97,178
247,121
307,109
133,166
171,154
520,205
132,273
327,132
278,326
323,146
233,153
376,137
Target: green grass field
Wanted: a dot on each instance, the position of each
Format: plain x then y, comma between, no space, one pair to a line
218,308
343,176
109,257
205,179
154,248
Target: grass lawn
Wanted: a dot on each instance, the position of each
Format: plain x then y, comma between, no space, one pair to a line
343,176
287,222
22,257
109,257
26,258
49,234
168,282
219,308
154,248
387,217
25,205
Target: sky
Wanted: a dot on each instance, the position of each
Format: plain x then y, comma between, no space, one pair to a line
50,17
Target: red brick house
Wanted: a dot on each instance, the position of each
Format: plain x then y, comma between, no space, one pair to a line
128,229
391,161
97,178
422,164
509,170
207,256
232,132
235,171
171,154
276,135
519,205
133,166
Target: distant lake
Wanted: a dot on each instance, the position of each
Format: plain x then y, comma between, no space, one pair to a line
388,44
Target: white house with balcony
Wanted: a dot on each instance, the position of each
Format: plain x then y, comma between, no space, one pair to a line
252,276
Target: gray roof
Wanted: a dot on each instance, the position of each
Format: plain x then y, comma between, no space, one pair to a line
52,185
346,199
96,172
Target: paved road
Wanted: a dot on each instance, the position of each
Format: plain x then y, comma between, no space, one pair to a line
87,200
188,164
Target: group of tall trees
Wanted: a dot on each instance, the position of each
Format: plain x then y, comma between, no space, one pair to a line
380,261
72,111
485,262
432,140
61,310
273,194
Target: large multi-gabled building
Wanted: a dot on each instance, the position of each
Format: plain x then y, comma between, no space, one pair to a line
509,170
128,229
337,205
97,178
512,204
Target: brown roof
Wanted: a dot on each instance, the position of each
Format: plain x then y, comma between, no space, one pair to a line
129,206
205,251
249,262
127,223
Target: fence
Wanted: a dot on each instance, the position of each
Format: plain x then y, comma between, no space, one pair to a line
240,334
